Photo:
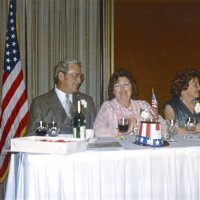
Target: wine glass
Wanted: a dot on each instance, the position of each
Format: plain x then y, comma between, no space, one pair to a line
41,128
53,129
172,129
122,127
190,124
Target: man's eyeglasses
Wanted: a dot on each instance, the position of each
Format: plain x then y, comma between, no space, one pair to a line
125,85
77,76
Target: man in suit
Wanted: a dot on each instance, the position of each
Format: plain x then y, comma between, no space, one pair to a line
53,106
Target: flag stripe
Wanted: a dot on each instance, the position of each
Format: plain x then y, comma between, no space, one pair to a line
9,105
7,84
5,76
154,106
13,116
12,123
12,90
4,168
21,130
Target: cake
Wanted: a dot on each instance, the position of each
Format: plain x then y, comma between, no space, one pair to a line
149,134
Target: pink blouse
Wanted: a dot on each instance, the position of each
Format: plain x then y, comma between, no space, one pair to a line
105,124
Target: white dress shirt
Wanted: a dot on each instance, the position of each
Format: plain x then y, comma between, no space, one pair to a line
62,97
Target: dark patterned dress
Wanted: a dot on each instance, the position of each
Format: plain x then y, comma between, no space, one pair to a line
181,111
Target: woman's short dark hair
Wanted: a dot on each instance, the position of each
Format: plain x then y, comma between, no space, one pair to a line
181,81
114,79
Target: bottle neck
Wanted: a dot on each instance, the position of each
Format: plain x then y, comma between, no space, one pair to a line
79,107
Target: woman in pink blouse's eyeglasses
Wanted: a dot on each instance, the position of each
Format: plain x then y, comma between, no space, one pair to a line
122,93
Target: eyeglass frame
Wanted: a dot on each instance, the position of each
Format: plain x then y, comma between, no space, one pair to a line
76,75
125,85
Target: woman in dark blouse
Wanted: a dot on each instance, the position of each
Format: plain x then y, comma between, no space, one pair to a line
185,92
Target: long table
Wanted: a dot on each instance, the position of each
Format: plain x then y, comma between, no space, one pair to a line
113,173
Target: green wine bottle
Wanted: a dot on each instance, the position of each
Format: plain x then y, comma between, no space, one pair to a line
79,123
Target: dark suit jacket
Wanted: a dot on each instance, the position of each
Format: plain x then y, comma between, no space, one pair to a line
48,108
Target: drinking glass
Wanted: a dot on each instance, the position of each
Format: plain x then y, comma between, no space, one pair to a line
41,129
172,130
122,127
190,124
53,129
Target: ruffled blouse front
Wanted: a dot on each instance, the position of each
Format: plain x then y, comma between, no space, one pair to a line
106,121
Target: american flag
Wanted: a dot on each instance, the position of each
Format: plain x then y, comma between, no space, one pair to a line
154,106
14,105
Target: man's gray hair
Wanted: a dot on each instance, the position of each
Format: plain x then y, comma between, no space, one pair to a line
63,66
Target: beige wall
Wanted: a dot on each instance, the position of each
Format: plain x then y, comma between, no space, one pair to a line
154,40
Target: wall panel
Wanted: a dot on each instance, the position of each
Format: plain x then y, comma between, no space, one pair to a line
155,39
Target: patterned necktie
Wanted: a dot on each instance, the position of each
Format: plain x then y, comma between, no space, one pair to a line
68,106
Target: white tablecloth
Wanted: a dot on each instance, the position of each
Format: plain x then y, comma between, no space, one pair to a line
138,172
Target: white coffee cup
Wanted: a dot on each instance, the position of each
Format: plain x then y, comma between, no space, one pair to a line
89,133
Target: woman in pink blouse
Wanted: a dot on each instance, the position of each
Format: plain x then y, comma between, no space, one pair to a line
122,102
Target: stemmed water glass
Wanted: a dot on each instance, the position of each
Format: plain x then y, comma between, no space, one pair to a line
172,129
41,128
53,129
190,124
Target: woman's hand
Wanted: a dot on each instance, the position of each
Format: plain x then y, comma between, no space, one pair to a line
132,124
